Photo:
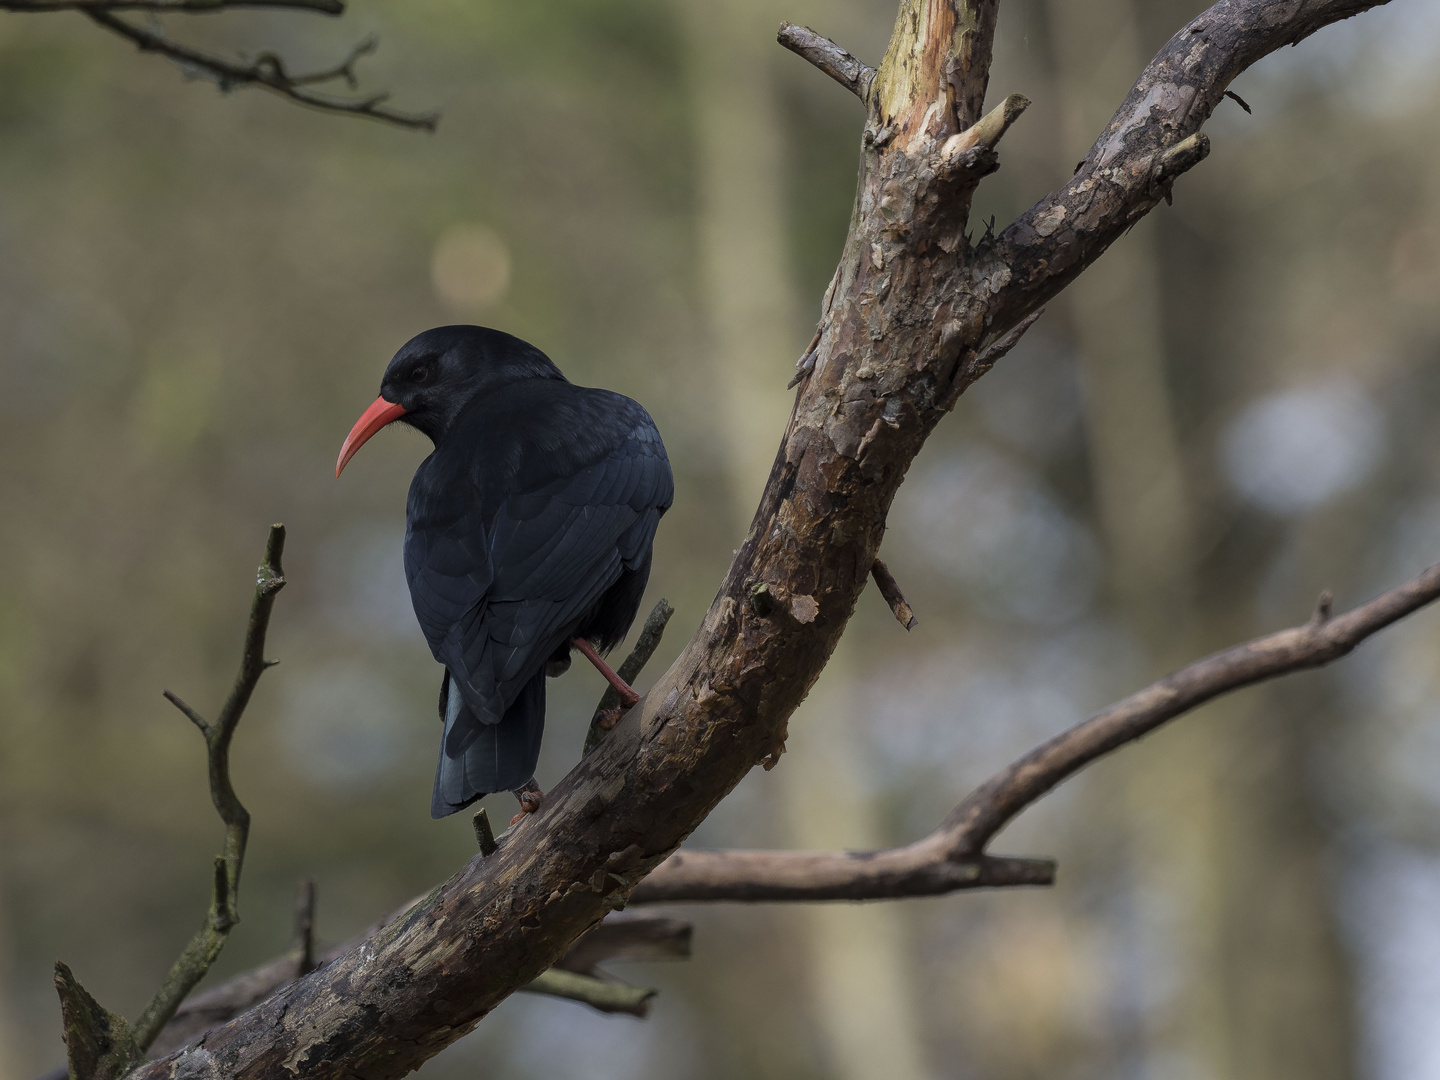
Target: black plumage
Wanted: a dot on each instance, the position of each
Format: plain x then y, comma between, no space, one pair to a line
529,525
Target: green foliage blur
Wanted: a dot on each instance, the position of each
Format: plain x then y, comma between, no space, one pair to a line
198,293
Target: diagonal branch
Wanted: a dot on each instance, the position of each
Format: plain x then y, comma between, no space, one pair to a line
1153,137
268,72
951,857
830,58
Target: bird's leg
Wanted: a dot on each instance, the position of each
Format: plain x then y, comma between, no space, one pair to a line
628,697
531,798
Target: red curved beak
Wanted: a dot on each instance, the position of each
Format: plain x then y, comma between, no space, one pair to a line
380,413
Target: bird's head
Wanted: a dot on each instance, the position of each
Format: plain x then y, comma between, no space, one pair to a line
437,373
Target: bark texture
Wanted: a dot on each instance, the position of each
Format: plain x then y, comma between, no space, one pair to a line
912,317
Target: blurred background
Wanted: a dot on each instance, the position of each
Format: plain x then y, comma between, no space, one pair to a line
1232,411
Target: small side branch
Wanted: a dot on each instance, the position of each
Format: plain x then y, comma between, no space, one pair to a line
986,132
995,803
953,856
601,994
205,946
830,58
607,713
268,72
890,590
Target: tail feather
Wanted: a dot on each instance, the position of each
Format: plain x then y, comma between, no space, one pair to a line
476,758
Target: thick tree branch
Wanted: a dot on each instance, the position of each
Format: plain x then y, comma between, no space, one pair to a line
1152,139
830,58
621,937
912,305
268,72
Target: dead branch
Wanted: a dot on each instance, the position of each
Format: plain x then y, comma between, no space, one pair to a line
607,713
268,72
1153,137
951,857
98,1043
890,590
829,58
913,301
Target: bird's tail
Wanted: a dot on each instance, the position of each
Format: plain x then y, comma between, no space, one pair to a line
478,758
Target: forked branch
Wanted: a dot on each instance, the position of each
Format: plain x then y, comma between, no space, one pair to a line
268,72
99,1044
205,946
952,857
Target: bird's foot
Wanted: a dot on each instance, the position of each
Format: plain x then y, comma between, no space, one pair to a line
628,697
531,799
606,719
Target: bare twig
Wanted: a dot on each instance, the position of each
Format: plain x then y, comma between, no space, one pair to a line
98,1043
303,945
951,857
890,590
205,946
601,994
484,834
830,58
324,7
645,646
268,72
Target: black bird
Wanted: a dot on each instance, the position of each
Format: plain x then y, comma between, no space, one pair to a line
529,530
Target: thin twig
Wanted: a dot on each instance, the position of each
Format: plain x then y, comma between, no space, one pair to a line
601,994
484,835
855,76
952,857
267,72
990,807
303,945
205,946
890,590
645,646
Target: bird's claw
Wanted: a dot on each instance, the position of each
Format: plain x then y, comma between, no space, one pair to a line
608,718
531,799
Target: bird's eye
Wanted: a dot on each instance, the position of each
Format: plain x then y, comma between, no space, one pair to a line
423,375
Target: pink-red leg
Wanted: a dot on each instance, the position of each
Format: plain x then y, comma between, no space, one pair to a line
628,697
531,798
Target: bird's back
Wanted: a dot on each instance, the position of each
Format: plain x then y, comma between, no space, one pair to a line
532,522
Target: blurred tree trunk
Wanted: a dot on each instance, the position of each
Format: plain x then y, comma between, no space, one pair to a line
858,965
1213,847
